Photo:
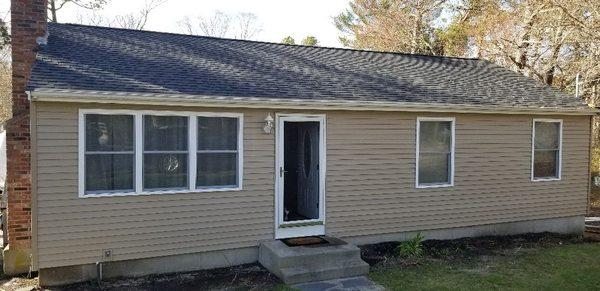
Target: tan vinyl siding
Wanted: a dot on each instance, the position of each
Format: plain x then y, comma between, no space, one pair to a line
371,180
370,186
74,230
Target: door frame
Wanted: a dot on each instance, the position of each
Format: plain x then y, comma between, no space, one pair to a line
303,227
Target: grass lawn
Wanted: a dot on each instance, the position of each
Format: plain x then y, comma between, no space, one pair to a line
562,267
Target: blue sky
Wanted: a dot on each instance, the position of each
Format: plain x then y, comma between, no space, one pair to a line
279,18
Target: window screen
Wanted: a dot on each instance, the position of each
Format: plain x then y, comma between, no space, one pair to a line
546,151
435,152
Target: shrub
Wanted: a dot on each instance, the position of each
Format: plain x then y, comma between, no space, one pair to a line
411,248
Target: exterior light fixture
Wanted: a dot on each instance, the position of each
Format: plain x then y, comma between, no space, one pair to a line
268,128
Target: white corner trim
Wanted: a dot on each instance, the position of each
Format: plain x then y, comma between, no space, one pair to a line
452,151
560,149
87,96
138,152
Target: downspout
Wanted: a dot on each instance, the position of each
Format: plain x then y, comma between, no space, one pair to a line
577,86
590,164
99,272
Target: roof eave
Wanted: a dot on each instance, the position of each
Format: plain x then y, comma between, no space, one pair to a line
112,97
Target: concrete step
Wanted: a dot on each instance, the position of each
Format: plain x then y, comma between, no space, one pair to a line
312,263
308,256
297,275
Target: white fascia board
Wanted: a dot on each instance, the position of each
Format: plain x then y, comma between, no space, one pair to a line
132,98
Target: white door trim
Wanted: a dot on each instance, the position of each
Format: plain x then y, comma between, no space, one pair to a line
304,227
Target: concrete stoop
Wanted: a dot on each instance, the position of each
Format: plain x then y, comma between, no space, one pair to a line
302,264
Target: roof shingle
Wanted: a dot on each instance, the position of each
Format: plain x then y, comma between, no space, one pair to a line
81,57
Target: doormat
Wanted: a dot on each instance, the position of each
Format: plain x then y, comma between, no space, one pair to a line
312,241
304,241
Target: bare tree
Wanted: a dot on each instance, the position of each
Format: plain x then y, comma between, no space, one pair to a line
220,24
135,20
4,34
247,26
216,25
5,91
93,18
5,73
56,5
550,40
138,20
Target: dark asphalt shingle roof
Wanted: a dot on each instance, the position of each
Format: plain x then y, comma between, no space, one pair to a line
81,57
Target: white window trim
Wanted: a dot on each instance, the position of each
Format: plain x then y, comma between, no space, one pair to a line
138,132
560,140
452,148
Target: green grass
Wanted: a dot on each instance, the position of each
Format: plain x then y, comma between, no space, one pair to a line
566,267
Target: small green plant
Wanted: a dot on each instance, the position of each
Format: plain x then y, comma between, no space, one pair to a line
411,248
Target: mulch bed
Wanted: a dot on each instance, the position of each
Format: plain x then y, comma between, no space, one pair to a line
464,248
594,211
243,277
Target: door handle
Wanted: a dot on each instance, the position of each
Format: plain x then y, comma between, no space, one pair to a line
281,171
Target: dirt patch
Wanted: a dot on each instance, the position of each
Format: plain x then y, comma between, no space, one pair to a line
18,283
244,277
465,248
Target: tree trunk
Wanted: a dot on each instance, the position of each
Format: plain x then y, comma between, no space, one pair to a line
523,45
415,34
549,75
53,10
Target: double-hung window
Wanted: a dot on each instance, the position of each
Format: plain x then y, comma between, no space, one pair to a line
435,152
546,149
108,153
217,155
145,152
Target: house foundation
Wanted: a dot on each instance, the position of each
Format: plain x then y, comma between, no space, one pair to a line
16,260
562,225
141,267
217,259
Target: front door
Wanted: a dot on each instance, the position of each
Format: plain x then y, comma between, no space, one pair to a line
307,169
300,178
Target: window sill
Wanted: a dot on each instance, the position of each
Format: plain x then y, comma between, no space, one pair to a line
425,186
545,179
159,192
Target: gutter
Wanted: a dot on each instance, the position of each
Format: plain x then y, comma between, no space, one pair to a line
132,98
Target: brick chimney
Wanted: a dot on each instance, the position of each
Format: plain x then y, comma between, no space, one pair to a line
28,22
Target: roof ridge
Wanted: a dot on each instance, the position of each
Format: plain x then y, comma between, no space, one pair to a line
268,42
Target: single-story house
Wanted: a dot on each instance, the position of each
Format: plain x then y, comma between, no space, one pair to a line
161,152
